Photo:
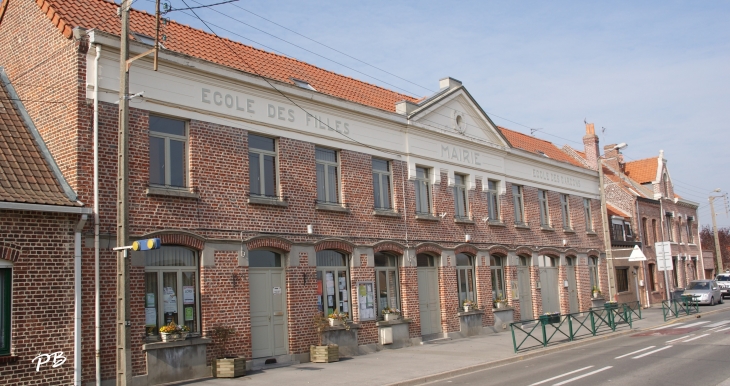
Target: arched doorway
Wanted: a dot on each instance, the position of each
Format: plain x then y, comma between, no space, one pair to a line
268,304
429,304
524,288
570,263
549,283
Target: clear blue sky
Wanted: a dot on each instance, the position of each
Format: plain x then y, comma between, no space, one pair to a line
655,74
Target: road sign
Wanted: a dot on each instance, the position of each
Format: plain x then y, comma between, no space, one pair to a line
146,245
637,255
664,256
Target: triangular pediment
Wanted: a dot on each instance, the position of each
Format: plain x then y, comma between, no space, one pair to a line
455,112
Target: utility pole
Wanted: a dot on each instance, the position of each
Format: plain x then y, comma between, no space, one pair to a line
718,257
606,232
124,342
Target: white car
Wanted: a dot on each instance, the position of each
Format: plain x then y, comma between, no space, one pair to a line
723,280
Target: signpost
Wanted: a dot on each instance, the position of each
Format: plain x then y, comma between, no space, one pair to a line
664,261
637,254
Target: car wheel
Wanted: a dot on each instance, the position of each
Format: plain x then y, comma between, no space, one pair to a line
721,301
712,301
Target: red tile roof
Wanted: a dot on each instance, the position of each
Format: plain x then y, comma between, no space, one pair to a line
643,170
101,14
536,145
25,175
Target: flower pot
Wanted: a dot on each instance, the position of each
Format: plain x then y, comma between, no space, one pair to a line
467,308
169,337
389,317
184,335
596,294
335,322
324,354
500,305
229,367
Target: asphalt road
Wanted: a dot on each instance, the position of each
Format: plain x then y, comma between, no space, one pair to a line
695,352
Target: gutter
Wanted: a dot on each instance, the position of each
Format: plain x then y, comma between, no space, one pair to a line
97,292
77,299
44,208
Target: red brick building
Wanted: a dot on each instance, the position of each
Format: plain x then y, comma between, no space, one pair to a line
281,190
642,210
40,256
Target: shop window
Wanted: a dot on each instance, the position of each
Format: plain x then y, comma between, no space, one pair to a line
593,271
260,258
382,184
493,199
461,202
328,190
172,293
542,199
518,204
465,278
5,307
333,282
262,166
622,279
496,264
565,210
168,149
423,191
588,214
386,281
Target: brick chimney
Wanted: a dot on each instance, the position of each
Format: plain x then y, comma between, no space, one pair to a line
590,143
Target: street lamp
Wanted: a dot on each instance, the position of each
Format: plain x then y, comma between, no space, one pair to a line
718,258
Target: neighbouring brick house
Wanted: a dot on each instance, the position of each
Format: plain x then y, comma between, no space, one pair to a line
643,209
269,214
40,244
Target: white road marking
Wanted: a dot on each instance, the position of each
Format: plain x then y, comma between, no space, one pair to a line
671,325
651,352
694,324
582,376
686,336
726,328
637,351
696,337
560,376
718,324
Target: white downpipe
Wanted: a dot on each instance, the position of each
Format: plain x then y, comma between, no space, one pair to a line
97,308
77,299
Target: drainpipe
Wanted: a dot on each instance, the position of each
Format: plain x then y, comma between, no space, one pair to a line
97,310
666,275
77,299
643,231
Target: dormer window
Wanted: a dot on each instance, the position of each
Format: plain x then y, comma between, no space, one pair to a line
303,84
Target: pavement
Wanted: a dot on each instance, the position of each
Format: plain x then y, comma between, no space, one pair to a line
432,360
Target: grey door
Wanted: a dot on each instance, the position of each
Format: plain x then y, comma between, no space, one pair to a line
268,331
572,285
525,292
549,285
428,300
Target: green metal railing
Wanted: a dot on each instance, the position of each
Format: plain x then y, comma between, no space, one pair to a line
569,327
633,307
675,308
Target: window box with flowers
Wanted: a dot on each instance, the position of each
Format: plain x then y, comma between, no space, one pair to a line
338,318
500,302
390,314
172,332
469,305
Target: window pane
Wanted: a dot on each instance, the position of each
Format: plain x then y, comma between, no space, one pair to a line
325,155
263,143
270,175
262,258
462,285
332,187
170,255
384,260
321,195
343,289
190,311
424,260
393,301
379,164
385,179
5,307
463,260
157,161
458,179
169,297
254,173
382,279
167,125
421,173
330,258
376,190
151,303
177,163
320,292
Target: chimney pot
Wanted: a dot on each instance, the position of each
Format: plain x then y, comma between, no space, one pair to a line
449,82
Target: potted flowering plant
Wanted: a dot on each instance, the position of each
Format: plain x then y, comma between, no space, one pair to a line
500,302
596,292
325,353
390,314
184,331
170,332
226,364
338,318
468,305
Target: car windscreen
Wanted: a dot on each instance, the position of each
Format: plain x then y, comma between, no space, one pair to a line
699,285
723,278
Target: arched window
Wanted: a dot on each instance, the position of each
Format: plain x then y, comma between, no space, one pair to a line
496,264
333,282
386,281
424,260
172,293
465,278
261,258
6,274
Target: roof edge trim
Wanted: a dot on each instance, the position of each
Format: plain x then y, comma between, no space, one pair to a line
37,137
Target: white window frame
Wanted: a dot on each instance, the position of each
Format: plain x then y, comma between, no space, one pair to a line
496,266
167,137
396,285
542,199
327,182
588,214
460,190
565,209
471,295
383,175
493,200
518,199
262,153
425,189
337,295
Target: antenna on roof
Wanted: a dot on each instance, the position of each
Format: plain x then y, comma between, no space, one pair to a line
585,121
603,129
532,131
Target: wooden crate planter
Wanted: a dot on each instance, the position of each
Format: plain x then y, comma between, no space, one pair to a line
229,367
324,354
